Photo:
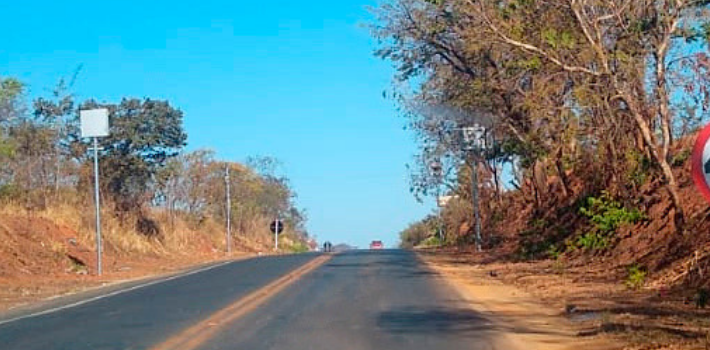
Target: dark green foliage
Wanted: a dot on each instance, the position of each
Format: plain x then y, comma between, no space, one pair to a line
606,214
144,135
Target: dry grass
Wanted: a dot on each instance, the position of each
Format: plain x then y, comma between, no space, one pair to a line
178,237
52,251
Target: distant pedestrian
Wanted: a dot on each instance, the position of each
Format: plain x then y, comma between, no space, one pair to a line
327,247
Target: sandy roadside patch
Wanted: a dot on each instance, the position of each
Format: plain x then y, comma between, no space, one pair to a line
527,323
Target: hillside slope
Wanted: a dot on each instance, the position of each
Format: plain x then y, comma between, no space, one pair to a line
52,252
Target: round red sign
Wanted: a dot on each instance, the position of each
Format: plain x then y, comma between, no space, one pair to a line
701,162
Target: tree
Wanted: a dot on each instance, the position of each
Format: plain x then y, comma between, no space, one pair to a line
11,105
11,91
620,45
553,76
56,114
182,185
144,135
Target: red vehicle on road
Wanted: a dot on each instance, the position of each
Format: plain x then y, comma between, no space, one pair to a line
376,245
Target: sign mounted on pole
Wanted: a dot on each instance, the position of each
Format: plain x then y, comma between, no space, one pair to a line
701,162
277,226
94,124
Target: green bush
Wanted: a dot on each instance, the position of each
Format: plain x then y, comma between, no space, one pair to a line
593,241
299,247
606,214
636,277
416,233
432,241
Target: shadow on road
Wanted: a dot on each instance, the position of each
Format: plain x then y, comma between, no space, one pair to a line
431,321
462,322
395,263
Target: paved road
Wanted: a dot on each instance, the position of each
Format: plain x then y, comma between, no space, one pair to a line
357,300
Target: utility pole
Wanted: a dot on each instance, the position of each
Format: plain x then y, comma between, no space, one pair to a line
229,210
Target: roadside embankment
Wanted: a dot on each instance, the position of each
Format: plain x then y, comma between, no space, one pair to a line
565,307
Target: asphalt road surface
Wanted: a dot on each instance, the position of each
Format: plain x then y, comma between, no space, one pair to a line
356,300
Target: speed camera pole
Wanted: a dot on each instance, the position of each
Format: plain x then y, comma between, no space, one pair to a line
476,209
94,124
473,136
97,200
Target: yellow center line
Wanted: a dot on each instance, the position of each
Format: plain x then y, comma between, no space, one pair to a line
198,334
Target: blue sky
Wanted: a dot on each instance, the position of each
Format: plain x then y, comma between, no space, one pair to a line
293,80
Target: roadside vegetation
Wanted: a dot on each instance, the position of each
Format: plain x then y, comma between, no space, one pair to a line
158,199
589,109
588,115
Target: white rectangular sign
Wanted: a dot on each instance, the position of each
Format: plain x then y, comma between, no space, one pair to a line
94,122
443,201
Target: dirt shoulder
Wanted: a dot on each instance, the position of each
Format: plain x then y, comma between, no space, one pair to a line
547,306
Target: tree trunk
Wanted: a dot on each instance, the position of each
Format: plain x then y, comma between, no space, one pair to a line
539,181
562,173
669,178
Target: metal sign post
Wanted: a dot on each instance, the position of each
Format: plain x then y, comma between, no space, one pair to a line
94,124
276,227
476,206
437,171
475,140
97,200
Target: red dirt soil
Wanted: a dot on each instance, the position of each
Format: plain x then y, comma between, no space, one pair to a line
40,258
662,314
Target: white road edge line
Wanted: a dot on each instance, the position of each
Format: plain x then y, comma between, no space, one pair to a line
114,293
